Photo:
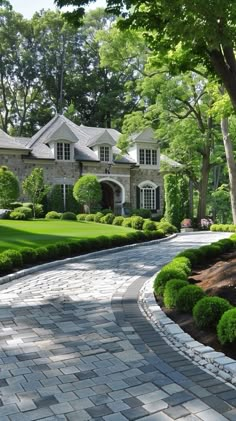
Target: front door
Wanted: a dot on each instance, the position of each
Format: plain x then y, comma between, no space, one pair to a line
107,196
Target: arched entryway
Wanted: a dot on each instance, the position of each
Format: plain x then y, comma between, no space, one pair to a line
113,195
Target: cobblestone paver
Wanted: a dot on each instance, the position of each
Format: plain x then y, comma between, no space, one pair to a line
74,346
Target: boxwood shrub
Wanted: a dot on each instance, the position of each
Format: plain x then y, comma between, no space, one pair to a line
29,255
168,272
149,225
171,291
108,218
5,263
208,311
53,215
118,220
187,297
226,328
90,217
98,216
69,216
81,216
15,257
166,227
42,254
137,222
127,222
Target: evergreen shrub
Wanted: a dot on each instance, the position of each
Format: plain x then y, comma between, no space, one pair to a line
81,216
6,264
42,254
149,225
108,218
226,328
118,220
90,217
208,311
29,255
68,216
15,256
187,297
53,215
98,216
127,222
167,273
137,222
171,291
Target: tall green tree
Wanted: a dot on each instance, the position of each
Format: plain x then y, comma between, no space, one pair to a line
184,35
9,187
88,192
35,188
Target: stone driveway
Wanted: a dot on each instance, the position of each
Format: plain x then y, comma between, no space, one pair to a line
74,346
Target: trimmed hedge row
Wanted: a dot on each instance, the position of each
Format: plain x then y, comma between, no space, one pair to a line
223,227
208,312
13,259
136,222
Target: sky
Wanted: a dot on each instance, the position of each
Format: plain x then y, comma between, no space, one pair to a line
29,7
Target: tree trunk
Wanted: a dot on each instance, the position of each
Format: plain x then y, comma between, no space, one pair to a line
203,187
230,164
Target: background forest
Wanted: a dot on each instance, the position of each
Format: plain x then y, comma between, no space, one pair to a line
98,75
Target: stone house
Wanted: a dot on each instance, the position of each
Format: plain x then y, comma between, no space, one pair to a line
66,151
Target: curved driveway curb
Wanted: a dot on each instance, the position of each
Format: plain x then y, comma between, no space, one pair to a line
74,346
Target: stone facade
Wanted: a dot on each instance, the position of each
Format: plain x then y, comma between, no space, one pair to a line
66,152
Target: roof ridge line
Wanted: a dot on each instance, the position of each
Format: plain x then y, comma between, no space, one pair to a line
45,128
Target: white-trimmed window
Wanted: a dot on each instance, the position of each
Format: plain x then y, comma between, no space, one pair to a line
148,197
147,157
63,151
104,153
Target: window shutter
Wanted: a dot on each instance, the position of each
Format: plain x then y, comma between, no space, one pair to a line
137,197
158,201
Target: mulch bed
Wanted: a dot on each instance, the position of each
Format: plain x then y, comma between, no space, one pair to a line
217,278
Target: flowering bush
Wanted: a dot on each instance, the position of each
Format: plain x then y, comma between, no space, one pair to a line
206,223
186,223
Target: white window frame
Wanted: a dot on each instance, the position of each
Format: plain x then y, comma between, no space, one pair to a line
147,195
103,151
66,147
148,156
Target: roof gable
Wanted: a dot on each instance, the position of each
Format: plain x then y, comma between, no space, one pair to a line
146,135
63,132
101,138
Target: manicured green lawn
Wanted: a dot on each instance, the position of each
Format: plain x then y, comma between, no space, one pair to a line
17,234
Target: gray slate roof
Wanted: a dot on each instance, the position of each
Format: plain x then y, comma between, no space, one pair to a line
83,137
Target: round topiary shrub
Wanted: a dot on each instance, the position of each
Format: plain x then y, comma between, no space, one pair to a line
53,215
166,227
42,254
108,218
149,226
63,250
90,217
69,216
127,222
210,251
5,264
226,328
18,216
137,222
194,255
25,210
187,297
167,273
98,216
29,255
15,256
226,244
171,291
118,220
208,311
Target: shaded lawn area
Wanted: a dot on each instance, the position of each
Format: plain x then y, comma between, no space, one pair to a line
37,233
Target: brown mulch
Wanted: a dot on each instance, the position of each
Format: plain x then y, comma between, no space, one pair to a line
217,278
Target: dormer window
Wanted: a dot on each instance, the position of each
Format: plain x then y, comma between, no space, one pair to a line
63,151
104,153
147,157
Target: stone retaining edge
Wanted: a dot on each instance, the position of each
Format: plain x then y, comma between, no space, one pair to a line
216,362
19,274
